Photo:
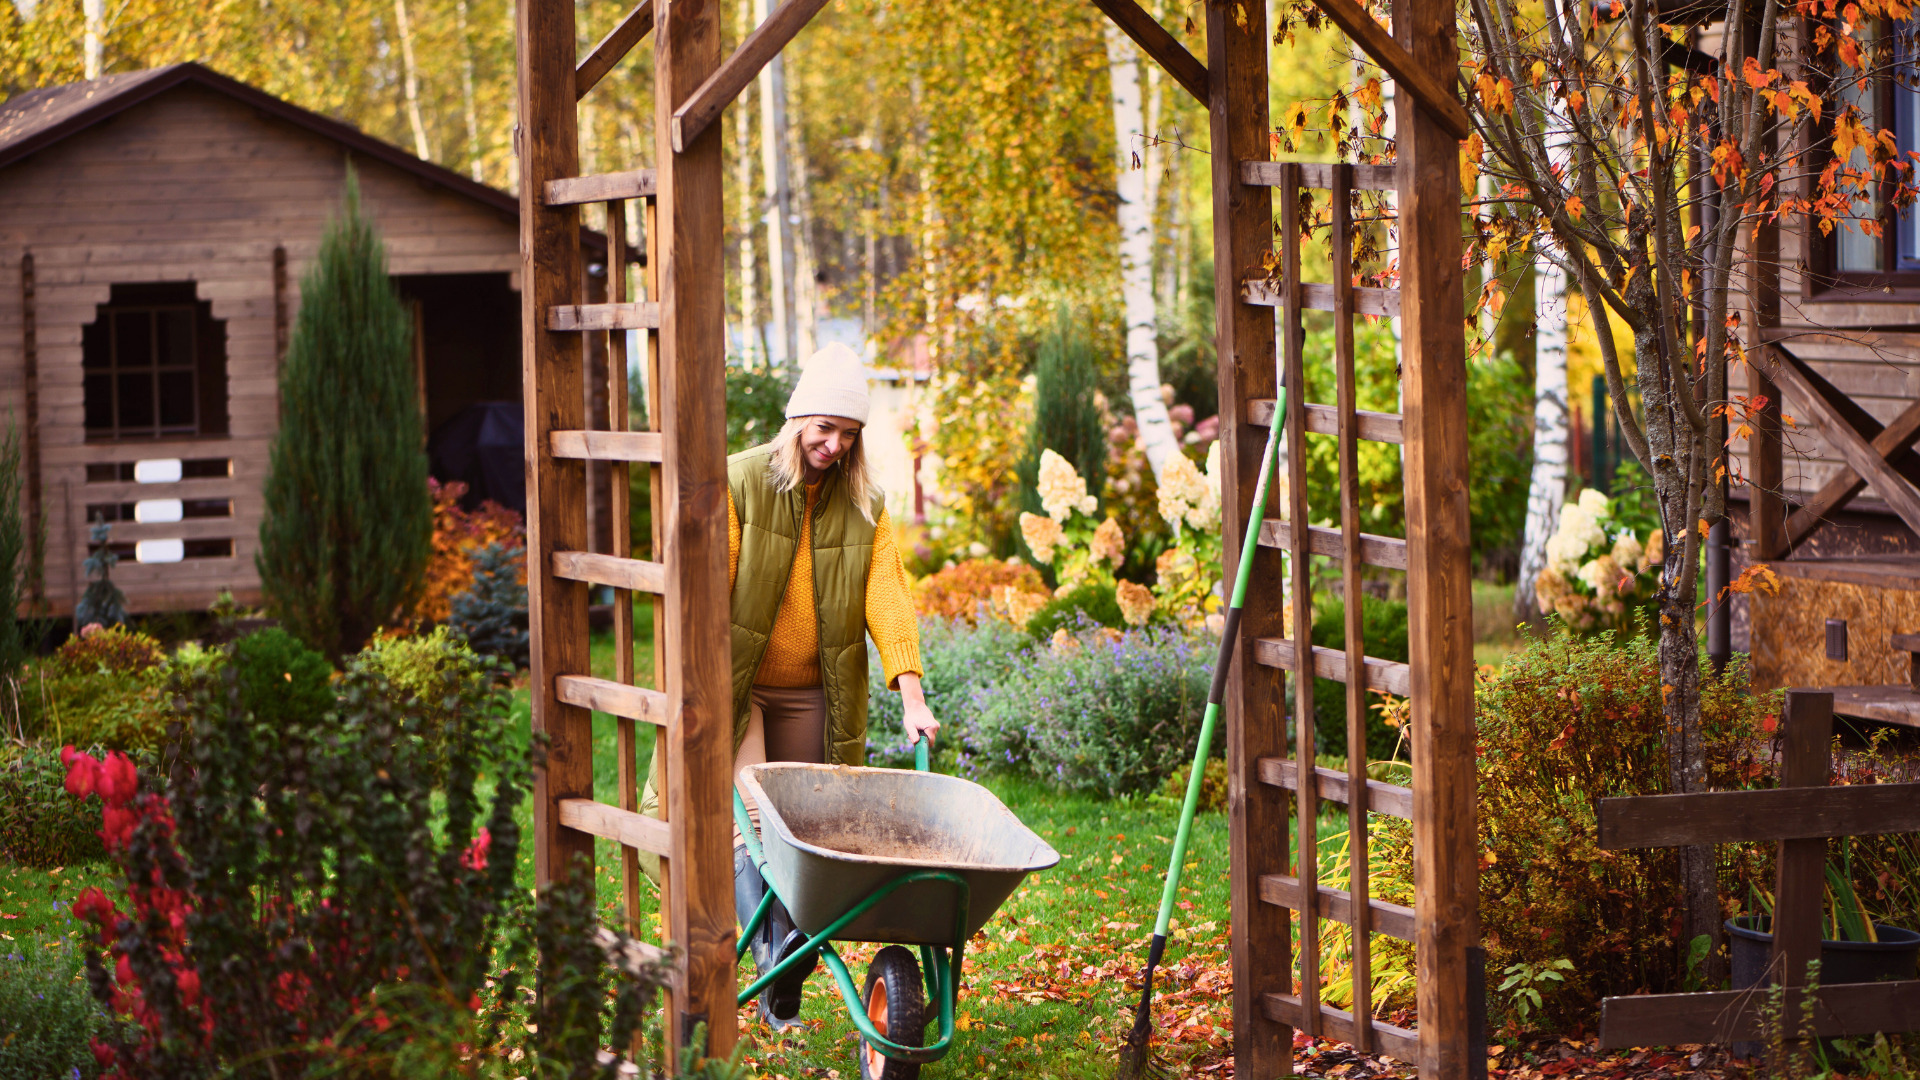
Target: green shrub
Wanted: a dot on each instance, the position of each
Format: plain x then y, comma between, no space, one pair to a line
1091,602
1384,622
325,850
1564,724
1110,712
47,1014
40,824
756,405
121,710
109,648
436,671
281,679
961,660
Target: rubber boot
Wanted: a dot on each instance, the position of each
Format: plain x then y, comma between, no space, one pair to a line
780,1001
748,888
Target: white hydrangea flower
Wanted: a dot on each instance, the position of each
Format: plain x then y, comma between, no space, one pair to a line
1062,491
1593,502
1628,552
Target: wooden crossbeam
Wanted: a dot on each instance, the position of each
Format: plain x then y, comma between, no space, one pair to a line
638,575
613,48
1382,797
601,187
608,446
639,315
1283,890
1325,420
706,103
620,826
1385,551
1314,174
1434,95
1726,1016
1830,415
1338,1024
1332,664
1157,43
1788,813
632,702
1319,296
1838,491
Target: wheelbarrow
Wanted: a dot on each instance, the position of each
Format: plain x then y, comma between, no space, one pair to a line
889,856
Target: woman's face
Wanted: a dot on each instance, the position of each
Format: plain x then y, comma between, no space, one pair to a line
825,440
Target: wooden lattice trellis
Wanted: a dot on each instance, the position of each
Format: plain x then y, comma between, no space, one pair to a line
683,314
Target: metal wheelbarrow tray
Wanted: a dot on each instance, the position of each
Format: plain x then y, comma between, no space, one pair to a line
834,835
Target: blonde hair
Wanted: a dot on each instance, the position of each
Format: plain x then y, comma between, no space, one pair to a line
786,466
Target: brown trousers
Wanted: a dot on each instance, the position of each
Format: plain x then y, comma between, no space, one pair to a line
784,724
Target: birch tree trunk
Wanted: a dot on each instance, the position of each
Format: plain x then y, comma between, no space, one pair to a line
95,13
1136,257
773,174
466,95
804,298
411,75
1547,489
752,344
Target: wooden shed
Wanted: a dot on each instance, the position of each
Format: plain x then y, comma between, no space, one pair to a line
154,227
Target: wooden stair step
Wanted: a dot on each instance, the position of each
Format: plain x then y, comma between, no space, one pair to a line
1338,1024
1325,420
636,575
639,315
612,823
1283,890
600,187
604,695
609,445
1382,797
1319,296
1385,551
1328,663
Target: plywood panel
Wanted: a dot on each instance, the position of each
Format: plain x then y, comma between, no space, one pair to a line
1789,634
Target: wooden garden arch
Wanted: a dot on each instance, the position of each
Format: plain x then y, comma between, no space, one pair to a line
683,318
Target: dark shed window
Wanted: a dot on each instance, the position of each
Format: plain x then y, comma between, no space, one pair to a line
155,362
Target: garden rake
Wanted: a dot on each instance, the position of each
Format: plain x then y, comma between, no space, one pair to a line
1136,1058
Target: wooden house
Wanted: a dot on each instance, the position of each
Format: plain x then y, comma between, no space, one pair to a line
154,227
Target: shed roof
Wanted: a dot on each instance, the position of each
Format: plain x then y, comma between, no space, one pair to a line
37,119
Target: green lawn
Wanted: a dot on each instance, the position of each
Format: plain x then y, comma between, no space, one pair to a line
1045,991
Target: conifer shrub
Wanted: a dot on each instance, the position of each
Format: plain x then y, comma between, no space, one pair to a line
348,524
103,602
492,614
18,571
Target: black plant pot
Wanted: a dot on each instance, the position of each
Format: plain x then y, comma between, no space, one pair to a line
1892,957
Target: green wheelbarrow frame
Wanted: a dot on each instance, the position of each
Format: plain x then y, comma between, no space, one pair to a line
940,965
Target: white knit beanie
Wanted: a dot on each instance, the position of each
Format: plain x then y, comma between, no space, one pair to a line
833,383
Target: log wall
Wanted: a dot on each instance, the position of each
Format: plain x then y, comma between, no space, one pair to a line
191,186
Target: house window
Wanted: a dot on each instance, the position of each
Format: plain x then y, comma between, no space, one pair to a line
154,365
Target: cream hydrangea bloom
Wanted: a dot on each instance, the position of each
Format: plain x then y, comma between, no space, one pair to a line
1593,502
1109,543
1628,552
1205,514
1062,490
1041,533
1181,487
1136,603
1602,575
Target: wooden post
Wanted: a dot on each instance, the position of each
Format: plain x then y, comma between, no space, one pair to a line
1806,761
1255,702
1439,599
30,356
692,392
551,382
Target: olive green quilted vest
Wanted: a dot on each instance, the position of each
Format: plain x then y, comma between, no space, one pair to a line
770,523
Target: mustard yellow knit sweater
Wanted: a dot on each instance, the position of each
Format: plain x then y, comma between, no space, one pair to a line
793,649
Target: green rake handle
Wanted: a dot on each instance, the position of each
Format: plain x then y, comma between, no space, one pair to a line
1229,635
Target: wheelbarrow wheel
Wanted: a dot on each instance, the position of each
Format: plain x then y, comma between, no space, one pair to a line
896,1004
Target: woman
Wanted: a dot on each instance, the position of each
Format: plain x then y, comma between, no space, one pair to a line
813,565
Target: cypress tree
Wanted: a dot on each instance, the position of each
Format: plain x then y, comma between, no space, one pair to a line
349,522
1066,418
